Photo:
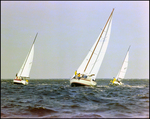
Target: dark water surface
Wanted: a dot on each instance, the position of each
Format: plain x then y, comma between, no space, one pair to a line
56,99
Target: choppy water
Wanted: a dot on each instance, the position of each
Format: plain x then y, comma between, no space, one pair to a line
56,99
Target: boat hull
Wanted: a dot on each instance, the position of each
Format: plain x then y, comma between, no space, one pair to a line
116,83
82,82
19,81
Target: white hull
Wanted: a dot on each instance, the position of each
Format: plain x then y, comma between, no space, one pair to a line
18,81
82,82
116,83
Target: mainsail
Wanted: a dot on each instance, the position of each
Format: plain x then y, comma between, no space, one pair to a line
94,58
122,72
26,67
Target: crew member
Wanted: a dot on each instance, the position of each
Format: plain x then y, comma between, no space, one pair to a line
75,73
78,75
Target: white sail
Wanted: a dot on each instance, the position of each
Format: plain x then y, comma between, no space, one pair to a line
26,67
122,72
94,58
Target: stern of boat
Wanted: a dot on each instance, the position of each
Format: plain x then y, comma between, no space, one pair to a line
116,83
19,81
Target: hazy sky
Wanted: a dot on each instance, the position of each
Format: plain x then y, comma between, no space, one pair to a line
67,31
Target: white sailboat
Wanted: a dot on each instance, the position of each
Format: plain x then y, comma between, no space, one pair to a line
23,74
122,72
87,71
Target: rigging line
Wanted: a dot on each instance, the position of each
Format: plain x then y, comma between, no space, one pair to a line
28,54
101,47
98,40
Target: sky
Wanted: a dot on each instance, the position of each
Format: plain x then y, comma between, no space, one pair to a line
66,32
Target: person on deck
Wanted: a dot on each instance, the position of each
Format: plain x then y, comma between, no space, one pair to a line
16,76
78,75
75,73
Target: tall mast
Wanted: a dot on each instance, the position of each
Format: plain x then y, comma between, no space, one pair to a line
98,40
35,38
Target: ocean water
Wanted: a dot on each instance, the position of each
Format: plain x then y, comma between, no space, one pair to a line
55,98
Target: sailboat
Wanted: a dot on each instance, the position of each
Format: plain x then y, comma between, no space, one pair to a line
23,74
86,74
122,72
